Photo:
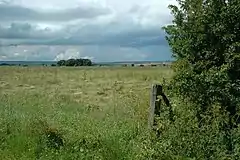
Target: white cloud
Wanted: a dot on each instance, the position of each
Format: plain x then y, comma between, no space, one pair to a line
68,54
16,54
3,58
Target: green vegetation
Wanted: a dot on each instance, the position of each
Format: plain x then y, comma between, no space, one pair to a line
204,39
98,112
102,112
75,62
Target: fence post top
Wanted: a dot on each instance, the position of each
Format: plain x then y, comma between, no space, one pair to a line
158,87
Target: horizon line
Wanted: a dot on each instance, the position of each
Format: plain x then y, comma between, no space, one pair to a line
92,61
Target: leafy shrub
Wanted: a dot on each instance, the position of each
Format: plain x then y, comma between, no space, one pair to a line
204,39
207,51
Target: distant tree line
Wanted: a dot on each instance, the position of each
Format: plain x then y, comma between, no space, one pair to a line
75,62
9,64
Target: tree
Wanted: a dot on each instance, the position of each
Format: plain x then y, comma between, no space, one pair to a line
75,62
61,63
71,62
205,41
87,62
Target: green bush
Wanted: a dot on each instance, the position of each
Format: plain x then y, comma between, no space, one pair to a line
204,39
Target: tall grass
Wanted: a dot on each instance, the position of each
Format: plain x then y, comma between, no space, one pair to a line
100,113
97,113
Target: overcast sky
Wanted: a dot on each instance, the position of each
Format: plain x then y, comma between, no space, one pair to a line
103,30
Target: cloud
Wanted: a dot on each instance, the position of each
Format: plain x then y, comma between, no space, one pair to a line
138,38
68,54
123,32
96,53
105,30
26,31
9,12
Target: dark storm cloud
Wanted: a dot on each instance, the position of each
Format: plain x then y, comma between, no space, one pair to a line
132,37
10,12
26,31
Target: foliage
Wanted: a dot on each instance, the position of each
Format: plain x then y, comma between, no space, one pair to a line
75,62
184,140
205,41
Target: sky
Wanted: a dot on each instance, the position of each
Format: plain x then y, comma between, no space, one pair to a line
101,30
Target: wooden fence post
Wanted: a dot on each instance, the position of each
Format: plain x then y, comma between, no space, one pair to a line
155,104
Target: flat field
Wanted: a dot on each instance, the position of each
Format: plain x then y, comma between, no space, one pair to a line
97,113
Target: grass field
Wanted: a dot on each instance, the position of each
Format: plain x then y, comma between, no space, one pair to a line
99,113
